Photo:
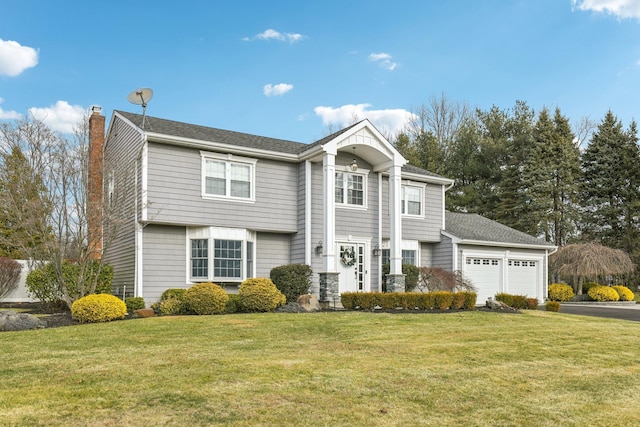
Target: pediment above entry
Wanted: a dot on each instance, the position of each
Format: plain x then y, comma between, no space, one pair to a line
369,145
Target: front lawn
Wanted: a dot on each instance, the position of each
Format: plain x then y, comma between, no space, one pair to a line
346,368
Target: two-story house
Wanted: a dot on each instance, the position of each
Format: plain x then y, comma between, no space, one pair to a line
186,204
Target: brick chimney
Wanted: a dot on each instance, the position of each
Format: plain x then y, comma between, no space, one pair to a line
94,184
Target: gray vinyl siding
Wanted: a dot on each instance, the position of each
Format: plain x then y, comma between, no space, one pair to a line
426,254
121,161
425,229
164,260
443,254
272,250
175,193
317,220
298,239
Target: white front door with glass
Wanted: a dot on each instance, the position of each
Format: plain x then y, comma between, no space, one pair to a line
351,266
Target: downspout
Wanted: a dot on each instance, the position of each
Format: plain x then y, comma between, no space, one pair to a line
379,260
138,263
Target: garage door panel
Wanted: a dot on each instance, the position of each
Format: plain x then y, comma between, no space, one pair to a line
522,276
485,275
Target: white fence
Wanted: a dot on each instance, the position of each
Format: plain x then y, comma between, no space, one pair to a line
20,293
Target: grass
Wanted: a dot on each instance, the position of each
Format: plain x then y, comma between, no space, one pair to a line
338,369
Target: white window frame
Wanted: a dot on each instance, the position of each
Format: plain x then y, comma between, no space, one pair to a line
405,245
405,206
364,173
228,160
211,234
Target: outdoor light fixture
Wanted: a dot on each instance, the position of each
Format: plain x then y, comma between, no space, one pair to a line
354,163
376,250
319,248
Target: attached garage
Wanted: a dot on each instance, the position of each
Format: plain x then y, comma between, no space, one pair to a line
494,257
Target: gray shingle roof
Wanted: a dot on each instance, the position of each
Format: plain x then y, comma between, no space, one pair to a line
467,226
239,139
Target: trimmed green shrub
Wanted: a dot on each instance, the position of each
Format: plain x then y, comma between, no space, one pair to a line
470,299
442,300
532,303
292,280
410,300
624,293
458,301
553,306
233,304
603,293
98,308
260,295
134,303
515,301
366,300
411,276
170,307
388,301
177,293
206,298
560,292
348,300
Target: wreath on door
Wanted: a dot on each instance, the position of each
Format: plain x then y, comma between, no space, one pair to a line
348,257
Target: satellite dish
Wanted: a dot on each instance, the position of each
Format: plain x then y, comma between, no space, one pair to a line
141,97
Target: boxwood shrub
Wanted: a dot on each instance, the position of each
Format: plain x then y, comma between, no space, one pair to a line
441,300
553,306
260,295
515,301
206,298
134,303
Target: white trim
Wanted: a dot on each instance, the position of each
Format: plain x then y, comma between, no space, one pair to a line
379,261
144,167
229,160
356,240
220,233
364,173
138,262
420,186
458,240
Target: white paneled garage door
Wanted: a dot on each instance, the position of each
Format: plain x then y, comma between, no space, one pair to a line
522,277
486,276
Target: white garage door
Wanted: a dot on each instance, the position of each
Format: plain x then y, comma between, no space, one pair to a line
485,274
522,277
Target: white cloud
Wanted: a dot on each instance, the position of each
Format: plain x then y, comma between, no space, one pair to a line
271,34
384,60
390,121
8,115
60,117
618,8
277,90
14,58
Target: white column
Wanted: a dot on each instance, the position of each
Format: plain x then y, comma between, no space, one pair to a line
395,216
329,217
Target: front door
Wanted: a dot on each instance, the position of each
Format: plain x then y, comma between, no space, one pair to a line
351,266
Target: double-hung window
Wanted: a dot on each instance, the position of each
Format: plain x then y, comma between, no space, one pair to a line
350,189
228,176
412,200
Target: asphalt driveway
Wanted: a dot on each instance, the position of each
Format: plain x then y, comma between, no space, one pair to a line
624,312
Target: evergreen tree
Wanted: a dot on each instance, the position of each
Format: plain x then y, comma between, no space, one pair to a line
611,186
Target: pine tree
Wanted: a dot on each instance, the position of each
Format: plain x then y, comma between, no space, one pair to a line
611,186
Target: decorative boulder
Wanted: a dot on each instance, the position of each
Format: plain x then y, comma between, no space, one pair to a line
309,302
12,321
145,312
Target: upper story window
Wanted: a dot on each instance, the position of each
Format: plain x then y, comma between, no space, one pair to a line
412,200
228,176
351,189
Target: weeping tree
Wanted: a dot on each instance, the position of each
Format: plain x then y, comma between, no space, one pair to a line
582,261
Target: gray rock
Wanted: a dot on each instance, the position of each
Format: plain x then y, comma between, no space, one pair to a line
12,321
291,307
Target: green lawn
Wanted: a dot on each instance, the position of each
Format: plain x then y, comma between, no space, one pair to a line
326,369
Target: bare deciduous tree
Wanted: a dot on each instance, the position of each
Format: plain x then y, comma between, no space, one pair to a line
9,276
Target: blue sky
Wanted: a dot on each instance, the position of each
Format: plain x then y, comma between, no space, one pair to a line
292,70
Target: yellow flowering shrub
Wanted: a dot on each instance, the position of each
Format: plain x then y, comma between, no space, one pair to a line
206,298
560,292
260,294
624,293
603,293
97,308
